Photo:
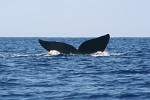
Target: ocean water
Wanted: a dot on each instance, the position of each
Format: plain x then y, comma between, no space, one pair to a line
29,72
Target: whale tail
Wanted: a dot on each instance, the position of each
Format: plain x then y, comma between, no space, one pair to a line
59,46
87,47
94,45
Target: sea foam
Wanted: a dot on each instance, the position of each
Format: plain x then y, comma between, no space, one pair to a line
99,53
54,52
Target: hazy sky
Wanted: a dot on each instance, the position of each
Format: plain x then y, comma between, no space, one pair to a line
75,18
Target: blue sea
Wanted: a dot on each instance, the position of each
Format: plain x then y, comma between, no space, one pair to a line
29,72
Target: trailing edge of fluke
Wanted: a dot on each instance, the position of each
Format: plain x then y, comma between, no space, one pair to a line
87,47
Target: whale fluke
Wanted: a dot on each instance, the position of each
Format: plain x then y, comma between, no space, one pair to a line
94,45
87,47
59,46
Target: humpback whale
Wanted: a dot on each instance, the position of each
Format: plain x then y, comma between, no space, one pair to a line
87,47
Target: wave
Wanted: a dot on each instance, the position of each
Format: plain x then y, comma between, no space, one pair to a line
19,55
55,53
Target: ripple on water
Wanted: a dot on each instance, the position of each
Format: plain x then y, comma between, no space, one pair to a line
30,73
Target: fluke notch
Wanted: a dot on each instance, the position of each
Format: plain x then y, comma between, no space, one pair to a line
87,47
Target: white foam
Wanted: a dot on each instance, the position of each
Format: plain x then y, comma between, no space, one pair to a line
116,54
54,52
99,53
19,55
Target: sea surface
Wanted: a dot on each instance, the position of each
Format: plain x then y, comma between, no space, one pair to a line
29,72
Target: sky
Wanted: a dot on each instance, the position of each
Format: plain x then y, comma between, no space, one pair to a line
74,18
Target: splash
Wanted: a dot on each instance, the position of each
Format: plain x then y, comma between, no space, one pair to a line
99,53
54,52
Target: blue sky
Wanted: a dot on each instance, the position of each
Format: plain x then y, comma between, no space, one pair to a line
74,18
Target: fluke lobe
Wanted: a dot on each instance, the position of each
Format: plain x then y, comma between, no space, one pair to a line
87,47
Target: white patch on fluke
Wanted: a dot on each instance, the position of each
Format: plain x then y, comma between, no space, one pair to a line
99,53
54,52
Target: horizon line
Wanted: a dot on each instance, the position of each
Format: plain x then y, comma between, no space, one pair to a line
70,37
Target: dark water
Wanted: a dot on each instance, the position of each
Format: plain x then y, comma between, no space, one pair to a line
27,72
